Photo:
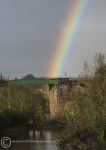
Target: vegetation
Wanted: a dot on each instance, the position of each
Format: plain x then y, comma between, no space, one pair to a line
82,118
22,106
85,112
29,77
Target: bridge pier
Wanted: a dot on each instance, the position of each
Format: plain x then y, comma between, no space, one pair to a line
57,90
53,99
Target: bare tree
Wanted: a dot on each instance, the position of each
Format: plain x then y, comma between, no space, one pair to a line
99,63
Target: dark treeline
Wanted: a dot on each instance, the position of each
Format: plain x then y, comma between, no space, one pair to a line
22,106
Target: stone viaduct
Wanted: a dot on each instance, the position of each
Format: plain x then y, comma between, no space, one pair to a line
56,89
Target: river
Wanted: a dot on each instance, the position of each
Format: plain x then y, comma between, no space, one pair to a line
31,140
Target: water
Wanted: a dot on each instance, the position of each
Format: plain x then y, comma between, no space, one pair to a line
33,140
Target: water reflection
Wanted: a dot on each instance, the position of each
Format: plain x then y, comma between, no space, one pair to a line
43,135
45,140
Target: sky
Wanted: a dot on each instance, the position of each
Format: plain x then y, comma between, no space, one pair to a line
29,31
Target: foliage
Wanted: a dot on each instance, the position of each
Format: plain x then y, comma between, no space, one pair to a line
29,77
22,106
85,113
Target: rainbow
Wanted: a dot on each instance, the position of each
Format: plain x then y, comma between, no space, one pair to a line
67,38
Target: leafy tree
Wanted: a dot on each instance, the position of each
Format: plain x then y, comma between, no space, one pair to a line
85,113
29,77
22,102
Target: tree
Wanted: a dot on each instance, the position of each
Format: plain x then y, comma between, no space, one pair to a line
29,77
85,113
20,105
100,65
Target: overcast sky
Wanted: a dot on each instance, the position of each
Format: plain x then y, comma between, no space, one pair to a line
29,30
